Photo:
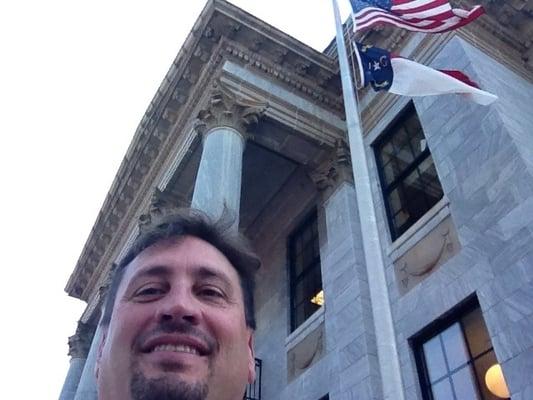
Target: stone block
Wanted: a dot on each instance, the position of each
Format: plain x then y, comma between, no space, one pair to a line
525,393
518,218
518,371
495,210
518,247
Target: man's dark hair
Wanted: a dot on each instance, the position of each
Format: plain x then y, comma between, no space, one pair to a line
190,222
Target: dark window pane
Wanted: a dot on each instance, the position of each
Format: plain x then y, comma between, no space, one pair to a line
305,274
481,365
404,157
454,346
400,139
298,266
395,201
387,153
434,359
390,172
476,333
299,293
463,384
409,179
401,219
429,181
316,248
442,390
416,134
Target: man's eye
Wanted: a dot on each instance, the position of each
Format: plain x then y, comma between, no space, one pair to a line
149,292
211,292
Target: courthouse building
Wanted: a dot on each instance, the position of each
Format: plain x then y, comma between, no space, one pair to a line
250,118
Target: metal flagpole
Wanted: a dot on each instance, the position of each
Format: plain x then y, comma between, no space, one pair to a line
384,329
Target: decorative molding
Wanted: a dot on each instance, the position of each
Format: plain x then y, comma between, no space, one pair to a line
334,170
80,343
427,255
161,203
306,352
297,77
225,108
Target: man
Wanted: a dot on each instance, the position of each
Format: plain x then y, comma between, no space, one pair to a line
179,317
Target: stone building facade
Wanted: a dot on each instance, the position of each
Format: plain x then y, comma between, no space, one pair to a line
253,119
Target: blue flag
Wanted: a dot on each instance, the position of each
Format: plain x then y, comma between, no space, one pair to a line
375,66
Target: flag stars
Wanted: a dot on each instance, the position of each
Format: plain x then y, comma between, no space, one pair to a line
376,66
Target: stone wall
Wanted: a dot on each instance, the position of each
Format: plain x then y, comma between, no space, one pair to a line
483,156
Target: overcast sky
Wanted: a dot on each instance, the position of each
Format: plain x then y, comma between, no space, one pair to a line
75,79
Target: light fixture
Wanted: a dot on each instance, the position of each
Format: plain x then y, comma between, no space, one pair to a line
495,381
318,299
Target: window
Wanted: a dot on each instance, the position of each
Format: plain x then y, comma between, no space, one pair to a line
253,390
306,295
453,359
408,176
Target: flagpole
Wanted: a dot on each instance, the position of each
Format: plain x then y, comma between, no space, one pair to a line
389,362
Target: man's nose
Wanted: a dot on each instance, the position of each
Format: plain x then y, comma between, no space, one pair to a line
179,305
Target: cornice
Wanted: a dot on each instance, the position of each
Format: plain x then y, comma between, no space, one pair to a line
295,79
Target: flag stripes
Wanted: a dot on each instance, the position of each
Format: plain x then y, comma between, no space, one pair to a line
430,16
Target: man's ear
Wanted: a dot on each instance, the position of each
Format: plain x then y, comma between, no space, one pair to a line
251,361
100,351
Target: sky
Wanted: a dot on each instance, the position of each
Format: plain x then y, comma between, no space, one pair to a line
75,80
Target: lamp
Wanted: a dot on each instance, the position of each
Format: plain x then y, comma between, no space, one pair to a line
495,382
318,299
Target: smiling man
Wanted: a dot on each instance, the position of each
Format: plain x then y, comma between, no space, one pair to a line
179,317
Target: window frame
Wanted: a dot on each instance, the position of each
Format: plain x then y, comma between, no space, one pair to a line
310,218
457,315
387,189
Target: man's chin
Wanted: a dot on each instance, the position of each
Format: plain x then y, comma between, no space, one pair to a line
167,385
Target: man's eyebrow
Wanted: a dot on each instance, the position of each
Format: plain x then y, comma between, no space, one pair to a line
156,270
205,272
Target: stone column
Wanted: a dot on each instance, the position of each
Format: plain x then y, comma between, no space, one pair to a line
86,389
223,124
79,345
351,338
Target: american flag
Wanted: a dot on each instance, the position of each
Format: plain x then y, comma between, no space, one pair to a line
430,16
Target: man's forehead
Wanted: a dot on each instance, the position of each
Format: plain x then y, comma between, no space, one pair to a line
170,254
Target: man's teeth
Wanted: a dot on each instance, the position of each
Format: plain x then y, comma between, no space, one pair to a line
176,348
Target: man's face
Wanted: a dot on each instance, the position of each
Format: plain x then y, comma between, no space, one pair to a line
178,329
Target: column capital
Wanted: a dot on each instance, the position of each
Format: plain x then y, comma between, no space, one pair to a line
336,169
161,203
80,343
226,109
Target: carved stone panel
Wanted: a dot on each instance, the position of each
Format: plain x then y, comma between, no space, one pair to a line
426,256
306,353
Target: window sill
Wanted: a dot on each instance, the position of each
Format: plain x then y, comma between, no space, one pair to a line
420,229
303,330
